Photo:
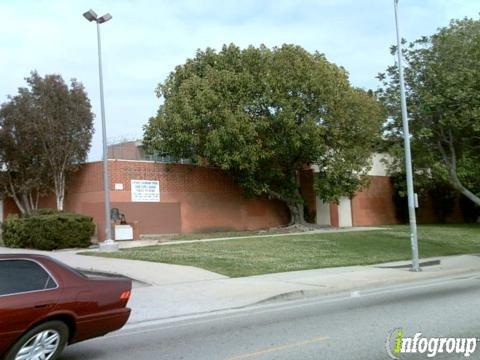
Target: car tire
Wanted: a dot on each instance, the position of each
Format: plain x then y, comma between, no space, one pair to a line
51,337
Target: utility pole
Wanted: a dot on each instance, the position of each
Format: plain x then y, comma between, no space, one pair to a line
108,244
408,156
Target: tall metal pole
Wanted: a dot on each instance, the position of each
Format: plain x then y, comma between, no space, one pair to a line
106,181
408,156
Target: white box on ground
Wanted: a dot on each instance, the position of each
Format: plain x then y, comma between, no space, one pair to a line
123,232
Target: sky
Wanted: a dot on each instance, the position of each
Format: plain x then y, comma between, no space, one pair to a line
145,40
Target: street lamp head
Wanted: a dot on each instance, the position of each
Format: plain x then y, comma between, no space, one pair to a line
90,15
104,18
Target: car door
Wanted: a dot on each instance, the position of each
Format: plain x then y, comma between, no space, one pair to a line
27,293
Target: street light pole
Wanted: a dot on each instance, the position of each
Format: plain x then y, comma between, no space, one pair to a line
108,244
408,156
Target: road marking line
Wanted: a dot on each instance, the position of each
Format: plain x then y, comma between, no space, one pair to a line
280,348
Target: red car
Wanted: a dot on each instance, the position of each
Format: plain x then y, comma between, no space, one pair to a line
45,305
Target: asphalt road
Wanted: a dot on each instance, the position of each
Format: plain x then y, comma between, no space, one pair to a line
344,326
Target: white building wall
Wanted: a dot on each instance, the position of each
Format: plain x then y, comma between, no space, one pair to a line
379,164
344,212
323,212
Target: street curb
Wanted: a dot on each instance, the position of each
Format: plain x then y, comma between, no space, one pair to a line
357,291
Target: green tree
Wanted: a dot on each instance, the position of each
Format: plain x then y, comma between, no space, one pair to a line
442,76
57,128
262,115
22,175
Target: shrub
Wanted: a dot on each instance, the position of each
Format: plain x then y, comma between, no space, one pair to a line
45,211
48,230
443,200
441,194
470,211
399,197
13,230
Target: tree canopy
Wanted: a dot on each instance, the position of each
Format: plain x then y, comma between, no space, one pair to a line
442,76
45,134
21,175
262,115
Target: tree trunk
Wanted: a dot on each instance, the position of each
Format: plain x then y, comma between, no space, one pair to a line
296,213
26,205
457,184
37,199
296,205
451,163
19,204
59,182
10,191
470,195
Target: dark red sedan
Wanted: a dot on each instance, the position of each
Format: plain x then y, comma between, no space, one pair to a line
45,305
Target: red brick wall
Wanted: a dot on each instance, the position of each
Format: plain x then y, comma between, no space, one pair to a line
128,150
334,219
197,199
152,218
374,205
9,207
308,193
192,199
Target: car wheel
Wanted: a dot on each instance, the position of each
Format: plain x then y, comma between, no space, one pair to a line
44,342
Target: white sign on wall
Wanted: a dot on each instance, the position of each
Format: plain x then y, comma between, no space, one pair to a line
145,191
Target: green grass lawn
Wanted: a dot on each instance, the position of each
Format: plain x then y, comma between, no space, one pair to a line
261,255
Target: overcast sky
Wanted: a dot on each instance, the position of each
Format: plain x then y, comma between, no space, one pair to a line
146,39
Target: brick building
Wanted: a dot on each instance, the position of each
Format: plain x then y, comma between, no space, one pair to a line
191,199
166,198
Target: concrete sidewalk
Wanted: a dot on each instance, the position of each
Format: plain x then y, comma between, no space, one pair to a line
177,291
147,272
176,300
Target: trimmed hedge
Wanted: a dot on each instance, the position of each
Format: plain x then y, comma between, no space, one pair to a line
48,230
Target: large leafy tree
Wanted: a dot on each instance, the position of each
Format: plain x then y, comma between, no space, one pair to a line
22,174
50,125
262,115
442,77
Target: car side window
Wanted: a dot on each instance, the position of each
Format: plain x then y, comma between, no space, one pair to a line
18,276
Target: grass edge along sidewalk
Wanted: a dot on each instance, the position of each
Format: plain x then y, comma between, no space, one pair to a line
263,255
